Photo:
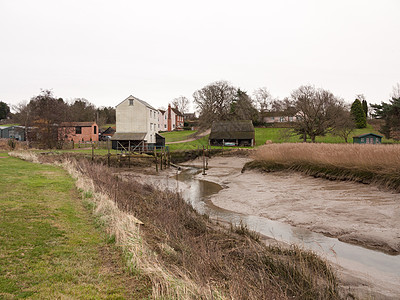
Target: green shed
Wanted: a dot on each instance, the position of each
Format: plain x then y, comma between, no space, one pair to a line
12,132
368,138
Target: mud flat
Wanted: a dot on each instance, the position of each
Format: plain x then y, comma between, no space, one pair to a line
351,212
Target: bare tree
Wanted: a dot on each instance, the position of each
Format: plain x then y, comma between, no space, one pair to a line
45,114
21,116
181,103
396,91
316,111
344,124
81,110
263,99
214,102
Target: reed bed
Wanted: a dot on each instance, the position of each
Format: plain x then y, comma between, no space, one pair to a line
364,163
189,256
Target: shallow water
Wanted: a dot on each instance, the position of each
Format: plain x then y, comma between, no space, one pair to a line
370,261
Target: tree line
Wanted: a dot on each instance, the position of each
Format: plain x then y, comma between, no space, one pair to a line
317,111
45,112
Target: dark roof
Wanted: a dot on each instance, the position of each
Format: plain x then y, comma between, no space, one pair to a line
161,111
278,114
242,129
176,111
109,130
128,136
367,134
141,101
73,124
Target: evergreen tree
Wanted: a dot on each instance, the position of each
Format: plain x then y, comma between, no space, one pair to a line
4,110
358,114
365,107
390,113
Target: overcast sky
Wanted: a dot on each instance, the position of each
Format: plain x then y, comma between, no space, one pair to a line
105,51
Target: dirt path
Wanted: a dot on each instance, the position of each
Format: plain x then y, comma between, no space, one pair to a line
198,136
355,213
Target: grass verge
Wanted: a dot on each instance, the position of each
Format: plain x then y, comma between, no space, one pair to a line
49,246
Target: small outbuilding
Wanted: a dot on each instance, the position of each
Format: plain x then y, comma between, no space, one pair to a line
12,132
232,133
368,138
130,142
78,132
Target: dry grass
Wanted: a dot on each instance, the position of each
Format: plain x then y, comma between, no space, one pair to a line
5,145
364,163
186,255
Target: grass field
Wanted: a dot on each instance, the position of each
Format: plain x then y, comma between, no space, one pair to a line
174,136
276,135
49,244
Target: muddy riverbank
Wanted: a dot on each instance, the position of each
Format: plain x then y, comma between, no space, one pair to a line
355,213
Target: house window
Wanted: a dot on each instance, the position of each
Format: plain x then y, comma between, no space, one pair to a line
165,125
94,129
130,102
78,130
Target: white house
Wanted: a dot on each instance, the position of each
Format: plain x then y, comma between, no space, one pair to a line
170,119
136,123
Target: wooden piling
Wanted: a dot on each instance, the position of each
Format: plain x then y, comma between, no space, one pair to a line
108,155
155,159
204,163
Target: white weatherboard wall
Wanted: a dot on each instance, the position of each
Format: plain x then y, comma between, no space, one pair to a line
137,118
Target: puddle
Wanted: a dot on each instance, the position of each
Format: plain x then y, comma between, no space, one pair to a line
370,261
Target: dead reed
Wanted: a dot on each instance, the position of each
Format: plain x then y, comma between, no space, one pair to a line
226,264
364,163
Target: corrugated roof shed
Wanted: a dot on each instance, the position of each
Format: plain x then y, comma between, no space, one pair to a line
242,129
366,134
73,124
128,136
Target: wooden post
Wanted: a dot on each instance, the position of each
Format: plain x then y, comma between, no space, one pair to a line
161,160
165,158
207,156
108,155
204,163
155,158
92,151
129,160
169,158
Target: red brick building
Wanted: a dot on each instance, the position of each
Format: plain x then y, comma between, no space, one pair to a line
79,131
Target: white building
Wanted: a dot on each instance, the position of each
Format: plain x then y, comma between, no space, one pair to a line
170,119
136,122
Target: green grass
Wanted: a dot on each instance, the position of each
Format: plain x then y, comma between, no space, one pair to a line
105,126
174,136
14,124
49,245
282,135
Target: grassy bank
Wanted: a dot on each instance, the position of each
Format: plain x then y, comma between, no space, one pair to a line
379,164
49,244
188,256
